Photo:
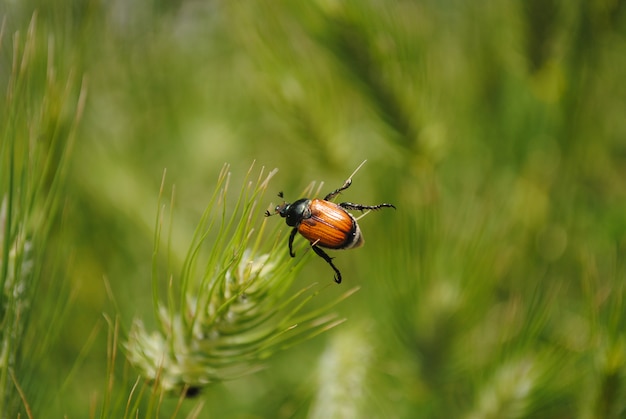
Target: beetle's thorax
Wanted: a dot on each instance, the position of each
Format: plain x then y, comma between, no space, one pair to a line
295,212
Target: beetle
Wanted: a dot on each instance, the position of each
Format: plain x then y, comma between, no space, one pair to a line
325,224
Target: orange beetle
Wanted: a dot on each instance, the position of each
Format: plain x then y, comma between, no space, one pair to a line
324,223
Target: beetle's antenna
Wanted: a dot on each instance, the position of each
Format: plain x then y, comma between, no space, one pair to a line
277,208
357,169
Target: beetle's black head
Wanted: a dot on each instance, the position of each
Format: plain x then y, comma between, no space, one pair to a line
295,212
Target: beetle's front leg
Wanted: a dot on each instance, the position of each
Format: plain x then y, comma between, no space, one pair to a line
291,237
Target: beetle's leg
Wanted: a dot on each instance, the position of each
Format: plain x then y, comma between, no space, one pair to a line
334,193
329,260
359,207
291,237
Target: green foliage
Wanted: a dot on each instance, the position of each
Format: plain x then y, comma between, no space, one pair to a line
496,128
41,108
223,320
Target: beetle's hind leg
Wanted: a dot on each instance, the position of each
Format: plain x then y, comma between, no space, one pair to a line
359,207
336,192
329,260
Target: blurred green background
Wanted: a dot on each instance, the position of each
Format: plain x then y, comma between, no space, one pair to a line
497,128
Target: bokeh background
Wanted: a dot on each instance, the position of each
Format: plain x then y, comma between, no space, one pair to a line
497,128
